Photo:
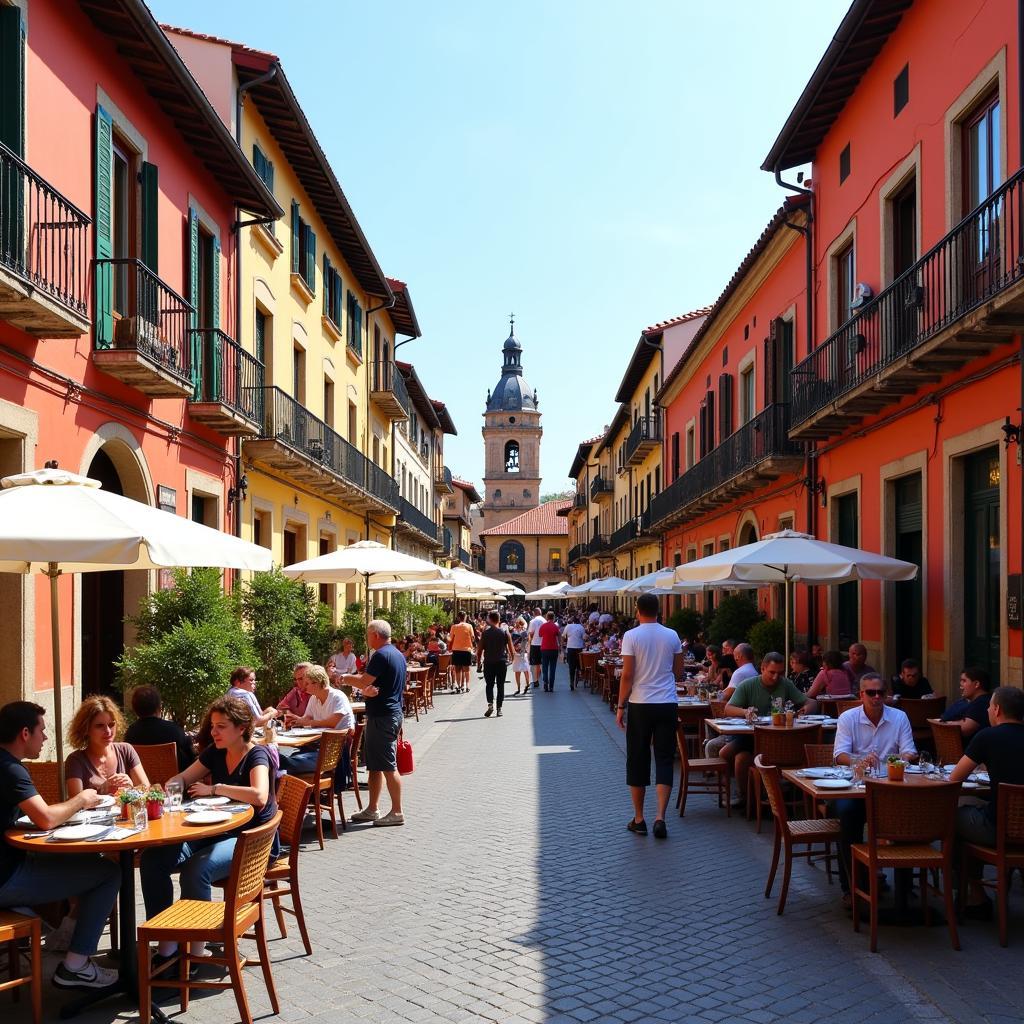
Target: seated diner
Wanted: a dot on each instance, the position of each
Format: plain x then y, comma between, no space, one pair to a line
910,684
98,761
971,710
150,727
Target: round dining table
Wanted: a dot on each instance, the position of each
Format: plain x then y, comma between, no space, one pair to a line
163,831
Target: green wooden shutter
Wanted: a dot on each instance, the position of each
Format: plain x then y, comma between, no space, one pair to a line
12,79
350,340
336,293
359,329
327,286
310,269
295,237
194,284
150,225
103,229
216,353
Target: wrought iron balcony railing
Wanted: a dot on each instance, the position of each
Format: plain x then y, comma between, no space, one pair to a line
600,486
388,388
228,375
447,542
764,437
577,553
599,544
44,237
981,257
464,557
645,435
410,514
579,500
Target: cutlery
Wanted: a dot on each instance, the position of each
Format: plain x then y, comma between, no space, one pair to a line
105,834
37,835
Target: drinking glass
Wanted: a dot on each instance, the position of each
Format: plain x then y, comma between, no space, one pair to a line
925,763
174,792
859,768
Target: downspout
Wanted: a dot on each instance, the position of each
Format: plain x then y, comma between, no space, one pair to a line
812,459
390,304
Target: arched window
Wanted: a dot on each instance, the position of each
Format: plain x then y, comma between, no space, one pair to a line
497,492
511,557
526,493
512,457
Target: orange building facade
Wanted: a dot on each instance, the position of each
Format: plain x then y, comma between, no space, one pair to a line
118,355
884,426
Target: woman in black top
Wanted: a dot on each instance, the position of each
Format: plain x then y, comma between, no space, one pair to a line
494,651
801,670
240,770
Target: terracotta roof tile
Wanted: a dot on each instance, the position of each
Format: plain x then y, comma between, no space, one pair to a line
540,521
662,325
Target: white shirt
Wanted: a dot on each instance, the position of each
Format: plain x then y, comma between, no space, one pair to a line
605,618
746,671
574,634
593,618
535,623
653,648
857,736
334,702
249,697
342,664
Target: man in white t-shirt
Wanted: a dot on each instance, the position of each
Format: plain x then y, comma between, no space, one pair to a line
328,708
745,668
533,630
652,661
574,634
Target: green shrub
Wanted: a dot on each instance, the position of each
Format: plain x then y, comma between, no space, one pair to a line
687,622
767,635
276,609
353,625
734,618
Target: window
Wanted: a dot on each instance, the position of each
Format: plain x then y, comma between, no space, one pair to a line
265,171
747,400
261,531
725,401
675,455
689,446
497,493
204,509
354,338
261,336
981,153
901,90
526,493
844,269
554,560
333,292
353,419
844,164
903,227
511,557
303,249
512,457
328,402
298,374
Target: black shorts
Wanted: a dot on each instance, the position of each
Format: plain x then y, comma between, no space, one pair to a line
534,654
380,742
462,659
650,725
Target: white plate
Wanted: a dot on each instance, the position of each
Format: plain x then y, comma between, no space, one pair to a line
970,785
832,784
981,777
212,801
105,801
79,818
819,773
79,832
913,769
948,767
303,732
207,818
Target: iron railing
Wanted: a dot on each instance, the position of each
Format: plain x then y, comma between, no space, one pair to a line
381,484
633,529
646,428
599,485
602,542
228,374
387,377
577,553
765,436
447,542
579,499
464,557
980,257
44,237
153,319
410,514
443,477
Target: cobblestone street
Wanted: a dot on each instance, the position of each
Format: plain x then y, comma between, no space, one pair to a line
515,894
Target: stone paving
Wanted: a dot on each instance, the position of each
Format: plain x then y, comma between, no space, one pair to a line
514,894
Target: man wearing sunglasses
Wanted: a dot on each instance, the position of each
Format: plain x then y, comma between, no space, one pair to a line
869,734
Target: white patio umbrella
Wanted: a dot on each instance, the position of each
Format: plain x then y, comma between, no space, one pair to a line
54,522
788,557
657,581
580,589
458,581
553,591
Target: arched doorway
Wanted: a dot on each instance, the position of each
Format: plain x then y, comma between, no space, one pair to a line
107,597
748,534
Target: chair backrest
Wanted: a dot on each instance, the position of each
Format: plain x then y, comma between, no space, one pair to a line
783,747
818,755
443,661
681,745
356,742
692,716
332,743
46,778
1009,817
903,812
159,760
588,659
949,741
249,866
771,776
844,704
919,711
292,798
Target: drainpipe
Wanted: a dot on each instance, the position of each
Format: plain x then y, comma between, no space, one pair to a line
1020,146
390,304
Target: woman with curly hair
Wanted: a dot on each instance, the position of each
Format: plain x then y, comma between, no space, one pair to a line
98,761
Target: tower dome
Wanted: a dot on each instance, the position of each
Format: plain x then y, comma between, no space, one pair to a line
512,393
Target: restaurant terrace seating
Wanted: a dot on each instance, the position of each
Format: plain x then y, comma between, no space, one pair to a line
46,778
332,742
283,874
159,761
14,929
949,741
781,747
694,775
919,712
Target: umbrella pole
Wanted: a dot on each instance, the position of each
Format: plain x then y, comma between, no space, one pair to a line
786,585
58,703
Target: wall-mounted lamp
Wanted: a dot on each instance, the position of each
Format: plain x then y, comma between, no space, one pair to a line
1012,431
819,488
327,515
296,497
236,494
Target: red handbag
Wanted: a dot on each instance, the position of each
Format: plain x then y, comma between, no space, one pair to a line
403,756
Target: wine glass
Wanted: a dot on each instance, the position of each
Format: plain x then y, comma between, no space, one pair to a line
174,793
859,767
925,763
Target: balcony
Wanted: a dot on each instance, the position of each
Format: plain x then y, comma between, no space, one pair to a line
443,480
634,533
229,392
465,558
577,553
447,543
411,520
146,341
297,445
388,390
555,565
44,254
758,452
601,544
643,438
964,297
601,489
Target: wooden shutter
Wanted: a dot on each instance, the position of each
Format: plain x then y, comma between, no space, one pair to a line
214,340
710,416
327,286
725,418
310,268
194,284
358,328
103,228
703,429
675,455
336,293
295,237
150,217
771,362
12,79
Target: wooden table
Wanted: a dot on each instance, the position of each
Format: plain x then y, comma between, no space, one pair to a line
165,831
851,792
724,727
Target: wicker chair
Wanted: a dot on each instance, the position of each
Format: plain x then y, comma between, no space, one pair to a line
354,749
332,742
692,775
817,834
283,874
46,778
948,739
691,719
845,703
588,669
1007,854
919,712
444,676
903,822
159,761
781,747
818,755
13,929
226,922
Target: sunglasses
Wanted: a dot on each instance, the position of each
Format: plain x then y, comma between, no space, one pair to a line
873,693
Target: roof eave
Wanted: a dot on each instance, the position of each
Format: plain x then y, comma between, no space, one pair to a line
641,359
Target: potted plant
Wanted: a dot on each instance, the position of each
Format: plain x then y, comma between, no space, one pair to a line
778,715
894,767
155,798
129,799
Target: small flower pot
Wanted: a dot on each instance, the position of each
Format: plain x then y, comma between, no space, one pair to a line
894,772
778,718
154,809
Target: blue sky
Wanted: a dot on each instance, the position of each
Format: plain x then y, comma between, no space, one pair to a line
592,166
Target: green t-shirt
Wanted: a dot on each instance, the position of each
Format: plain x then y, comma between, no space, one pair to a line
751,693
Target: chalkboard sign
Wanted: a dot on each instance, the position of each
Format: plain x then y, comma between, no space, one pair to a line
1013,598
